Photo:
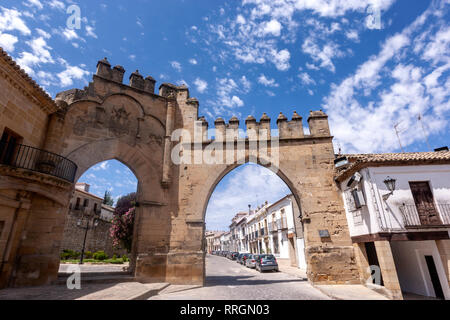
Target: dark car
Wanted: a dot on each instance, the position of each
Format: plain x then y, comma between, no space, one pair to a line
238,259
266,262
234,255
244,258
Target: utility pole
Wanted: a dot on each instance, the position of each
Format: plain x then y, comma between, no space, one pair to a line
398,136
424,132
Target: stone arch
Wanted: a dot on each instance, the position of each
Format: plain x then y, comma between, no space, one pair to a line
221,174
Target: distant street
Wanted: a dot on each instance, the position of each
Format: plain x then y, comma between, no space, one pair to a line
228,280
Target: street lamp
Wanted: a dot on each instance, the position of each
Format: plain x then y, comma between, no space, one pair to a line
390,185
86,229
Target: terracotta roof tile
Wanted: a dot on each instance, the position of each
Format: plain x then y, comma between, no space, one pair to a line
359,161
4,55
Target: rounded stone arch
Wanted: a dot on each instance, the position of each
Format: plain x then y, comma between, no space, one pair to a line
144,168
214,180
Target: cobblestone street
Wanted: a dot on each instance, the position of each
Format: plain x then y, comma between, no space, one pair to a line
228,280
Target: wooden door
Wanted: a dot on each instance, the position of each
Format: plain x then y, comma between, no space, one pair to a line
424,200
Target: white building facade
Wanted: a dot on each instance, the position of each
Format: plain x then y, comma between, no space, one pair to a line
398,212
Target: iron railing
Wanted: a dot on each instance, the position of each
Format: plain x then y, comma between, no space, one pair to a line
411,215
444,210
282,224
34,159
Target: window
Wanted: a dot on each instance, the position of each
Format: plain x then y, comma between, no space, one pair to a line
77,205
424,200
356,199
85,202
8,144
276,248
95,208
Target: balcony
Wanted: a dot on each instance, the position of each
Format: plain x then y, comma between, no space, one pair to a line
282,224
30,158
411,217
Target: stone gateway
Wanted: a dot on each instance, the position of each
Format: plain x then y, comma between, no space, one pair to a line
133,124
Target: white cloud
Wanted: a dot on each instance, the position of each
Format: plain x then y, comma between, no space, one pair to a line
201,85
281,59
8,41
34,3
273,27
394,87
267,82
40,54
322,55
43,33
193,61
69,34
90,32
10,20
176,65
66,79
352,35
306,79
101,166
246,84
56,4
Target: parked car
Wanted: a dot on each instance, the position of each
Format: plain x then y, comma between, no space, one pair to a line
233,255
244,257
266,262
238,259
251,261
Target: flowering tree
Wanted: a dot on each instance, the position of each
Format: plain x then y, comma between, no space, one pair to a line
122,229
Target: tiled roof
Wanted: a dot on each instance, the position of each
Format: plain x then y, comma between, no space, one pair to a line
41,92
359,161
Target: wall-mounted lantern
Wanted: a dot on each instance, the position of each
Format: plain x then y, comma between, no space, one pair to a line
390,185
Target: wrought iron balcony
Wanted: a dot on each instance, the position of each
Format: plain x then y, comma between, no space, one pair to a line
411,215
30,158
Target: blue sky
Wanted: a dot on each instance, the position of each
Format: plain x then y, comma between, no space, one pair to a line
252,56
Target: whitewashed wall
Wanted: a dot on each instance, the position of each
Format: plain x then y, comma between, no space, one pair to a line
412,269
385,216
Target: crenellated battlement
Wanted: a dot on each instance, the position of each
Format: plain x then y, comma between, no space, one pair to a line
287,129
137,81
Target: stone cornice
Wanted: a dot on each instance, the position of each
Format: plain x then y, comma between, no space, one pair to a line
20,80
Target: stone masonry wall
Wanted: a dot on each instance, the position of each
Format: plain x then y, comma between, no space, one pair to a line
97,239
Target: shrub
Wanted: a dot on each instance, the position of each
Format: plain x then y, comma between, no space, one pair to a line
122,229
114,257
100,255
69,254
125,258
88,255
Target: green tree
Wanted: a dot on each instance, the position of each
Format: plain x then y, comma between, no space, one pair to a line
107,199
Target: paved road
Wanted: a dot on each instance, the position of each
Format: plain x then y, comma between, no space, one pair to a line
227,280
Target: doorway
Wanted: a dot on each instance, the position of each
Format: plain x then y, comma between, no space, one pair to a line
434,277
373,258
